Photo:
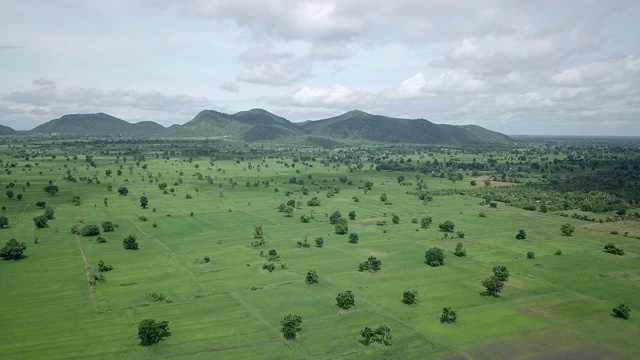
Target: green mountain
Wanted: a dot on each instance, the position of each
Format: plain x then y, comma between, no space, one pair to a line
98,124
5,130
359,125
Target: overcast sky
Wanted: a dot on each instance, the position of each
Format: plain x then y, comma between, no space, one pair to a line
514,66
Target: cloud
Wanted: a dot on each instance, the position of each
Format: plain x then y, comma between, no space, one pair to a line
335,97
43,82
230,86
265,67
83,97
9,47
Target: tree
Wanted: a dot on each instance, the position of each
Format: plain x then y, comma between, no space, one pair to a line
345,300
257,231
352,215
380,335
449,316
19,196
410,297
40,221
41,204
383,197
291,326
447,226
51,189
501,272
102,267
130,242
434,257
12,250
151,332
305,218
123,190
611,248
90,230
395,219
341,228
107,226
493,284
371,264
144,201
288,210
10,194
567,229
333,218
426,222
312,277
48,212
460,251
531,255
353,238
622,311
4,222
319,242
521,235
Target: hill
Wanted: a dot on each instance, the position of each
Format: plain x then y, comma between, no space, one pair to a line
5,130
359,125
98,124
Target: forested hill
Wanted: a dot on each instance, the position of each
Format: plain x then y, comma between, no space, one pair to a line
5,130
98,124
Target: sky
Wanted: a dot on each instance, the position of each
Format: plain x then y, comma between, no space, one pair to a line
519,67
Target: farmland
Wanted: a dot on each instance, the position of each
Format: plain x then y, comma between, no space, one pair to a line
231,306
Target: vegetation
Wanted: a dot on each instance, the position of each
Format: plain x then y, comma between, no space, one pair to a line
567,229
130,242
291,326
493,285
345,300
151,332
622,311
410,297
382,335
371,264
449,316
434,257
12,250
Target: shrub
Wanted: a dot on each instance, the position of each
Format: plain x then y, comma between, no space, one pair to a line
371,264
130,242
531,255
107,226
460,251
622,311
611,248
410,296
353,238
319,242
101,240
567,229
312,277
12,250
434,257
449,316
521,235
447,226
90,230
345,300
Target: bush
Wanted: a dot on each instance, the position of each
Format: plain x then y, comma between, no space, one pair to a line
447,226
312,277
291,326
558,252
622,311
521,235
49,213
102,267
531,255
90,230
460,251
130,242
40,221
493,285
434,257
380,335
101,240
151,332
319,242
345,300
449,316
41,204
426,222
567,229
410,296
107,226
353,238
501,272
12,250
371,264
611,248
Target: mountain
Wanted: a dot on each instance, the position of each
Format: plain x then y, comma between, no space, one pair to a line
359,125
252,125
98,124
5,130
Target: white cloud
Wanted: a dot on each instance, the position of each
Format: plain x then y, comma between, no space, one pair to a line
337,96
43,82
230,86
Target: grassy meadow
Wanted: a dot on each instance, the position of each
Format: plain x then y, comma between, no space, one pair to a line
231,308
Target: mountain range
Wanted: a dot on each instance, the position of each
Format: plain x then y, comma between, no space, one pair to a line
259,125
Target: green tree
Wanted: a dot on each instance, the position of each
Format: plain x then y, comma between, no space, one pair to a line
611,248
395,219
4,222
123,190
567,229
341,228
353,238
312,277
19,196
410,297
144,201
460,251
521,235
346,300
41,204
371,264
257,231
130,242
291,326
383,197
352,215
381,335
12,250
333,218
449,316
531,255
426,222
9,194
493,285
40,221
48,212
151,332
434,257
501,272
90,230
51,189
107,226
319,242
447,226
622,311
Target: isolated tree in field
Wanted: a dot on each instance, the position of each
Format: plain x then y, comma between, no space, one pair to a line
107,172
312,277
291,326
48,212
380,335
410,297
434,257
151,332
319,242
130,242
501,272
352,215
611,248
493,285
346,300
371,264
426,221
353,238
288,210
107,226
395,219
333,218
102,267
567,229
531,255
622,311
4,222
19,196
447,226
12,250
9,194
460,251
305,218
257,231
449,316
144,201
521,235
40,221
90,230
123,190
41,204
51,189
341,228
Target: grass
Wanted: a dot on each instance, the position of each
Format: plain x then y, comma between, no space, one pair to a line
232,308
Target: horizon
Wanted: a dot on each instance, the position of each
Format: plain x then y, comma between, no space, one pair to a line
526,67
